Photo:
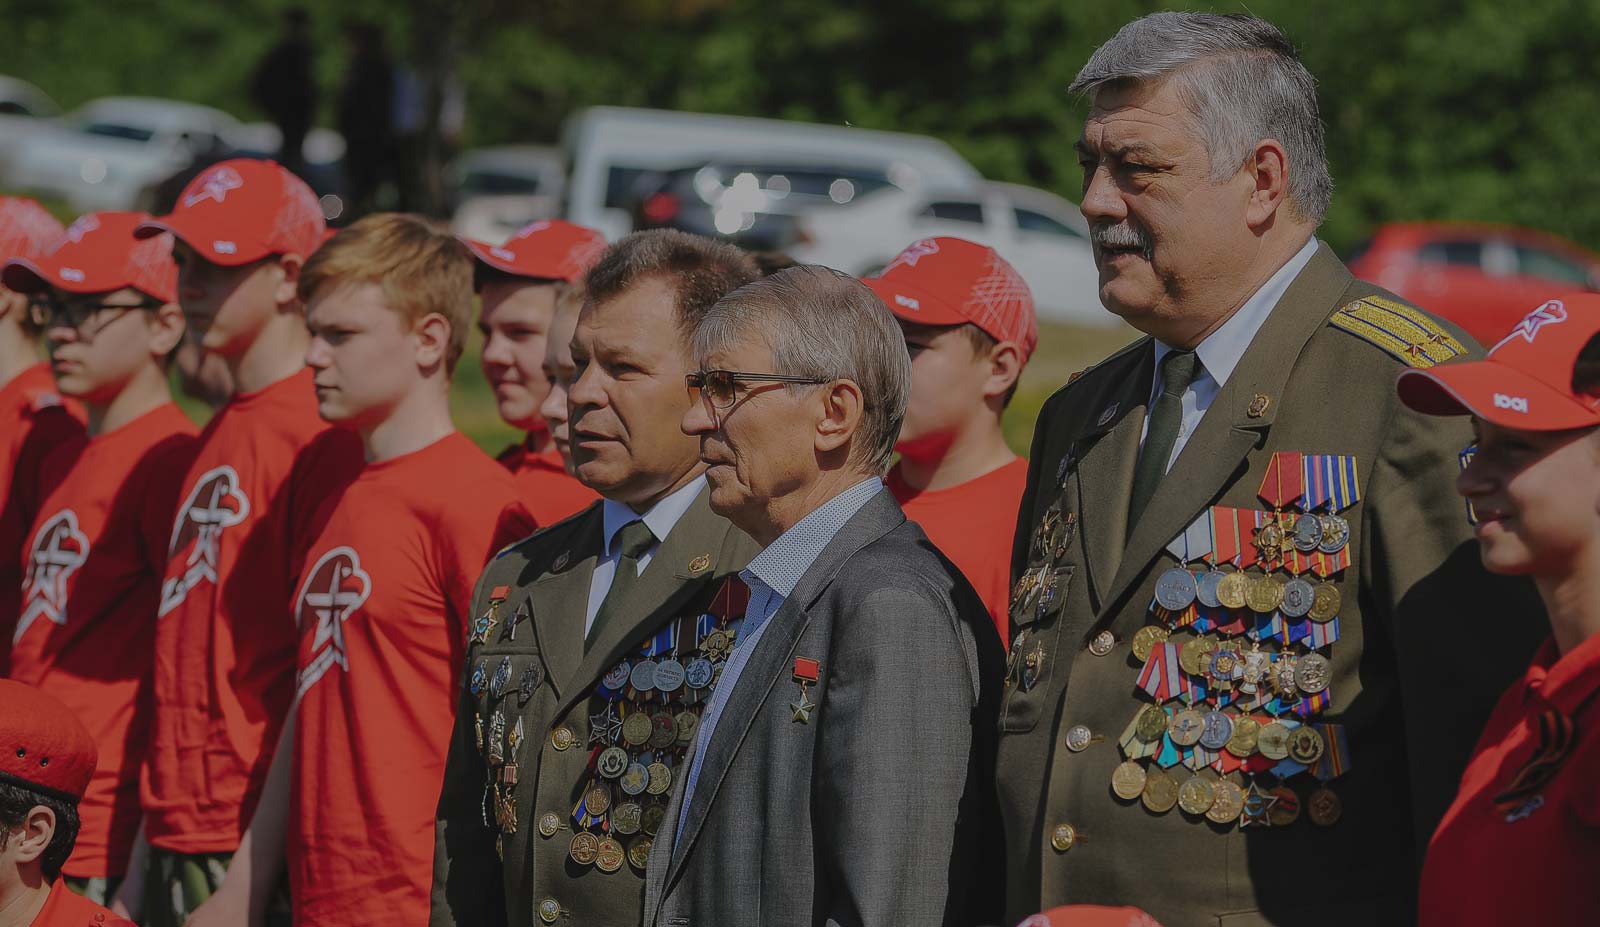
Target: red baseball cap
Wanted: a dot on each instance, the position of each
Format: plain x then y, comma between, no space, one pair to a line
1525,382
43,745
243,210
27,230
952,281
100,253
549,249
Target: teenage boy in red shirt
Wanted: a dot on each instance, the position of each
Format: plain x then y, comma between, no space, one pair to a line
559,370
382,596
970,327
33,417
224,653
519,284
92,562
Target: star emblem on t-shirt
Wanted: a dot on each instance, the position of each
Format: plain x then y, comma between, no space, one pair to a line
59,548
333,588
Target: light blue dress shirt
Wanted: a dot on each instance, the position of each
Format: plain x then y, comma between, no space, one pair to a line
661,519
772,576
1223,348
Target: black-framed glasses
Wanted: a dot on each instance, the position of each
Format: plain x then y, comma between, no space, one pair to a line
720,387
48,311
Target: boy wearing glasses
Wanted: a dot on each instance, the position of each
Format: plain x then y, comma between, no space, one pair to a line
92,560
33,416
224,652
969,324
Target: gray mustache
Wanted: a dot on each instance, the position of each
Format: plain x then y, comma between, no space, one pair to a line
1121,235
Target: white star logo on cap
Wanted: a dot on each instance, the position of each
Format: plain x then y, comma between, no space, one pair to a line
215,186
82,227
1551,313
914,252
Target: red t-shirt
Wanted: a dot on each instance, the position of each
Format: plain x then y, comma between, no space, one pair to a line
973,523
382,614
92,575
63,908
34,420
548,490
225,644
1521,843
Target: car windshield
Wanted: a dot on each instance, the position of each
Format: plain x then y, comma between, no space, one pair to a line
491,183
118,130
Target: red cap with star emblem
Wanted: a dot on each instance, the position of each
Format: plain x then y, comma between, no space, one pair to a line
100,253
26,229
952,281
1526,381
43,745
549,249
243,210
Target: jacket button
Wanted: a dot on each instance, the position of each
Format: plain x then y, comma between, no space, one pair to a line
1063,837
549,824
549,910
1102,643
562,738
1079,737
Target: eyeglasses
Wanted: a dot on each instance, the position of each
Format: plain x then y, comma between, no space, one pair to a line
719,386
47,312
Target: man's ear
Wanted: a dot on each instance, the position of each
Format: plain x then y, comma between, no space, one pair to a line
287,292
433,340
1005,367
167,329
34,836
1268,167
842,408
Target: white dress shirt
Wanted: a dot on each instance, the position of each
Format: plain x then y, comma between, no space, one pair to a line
1220,352
660,519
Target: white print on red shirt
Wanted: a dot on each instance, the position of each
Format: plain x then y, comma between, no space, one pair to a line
335,586
216,503
59,548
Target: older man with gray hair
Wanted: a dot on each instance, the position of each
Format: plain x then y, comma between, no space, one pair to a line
1252,642
841,773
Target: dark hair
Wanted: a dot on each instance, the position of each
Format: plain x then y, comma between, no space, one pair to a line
700,270
770,262
1586,370
17,801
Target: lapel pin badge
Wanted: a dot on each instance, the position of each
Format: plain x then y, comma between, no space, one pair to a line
1258,406
699,564
1109,414
806,673
561,562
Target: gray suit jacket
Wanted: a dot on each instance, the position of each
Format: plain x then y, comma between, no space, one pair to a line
880,809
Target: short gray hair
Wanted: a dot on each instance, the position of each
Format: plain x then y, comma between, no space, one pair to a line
1243,81
818,322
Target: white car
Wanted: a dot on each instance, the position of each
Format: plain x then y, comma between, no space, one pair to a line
1043,236
496,191
104,154
24,109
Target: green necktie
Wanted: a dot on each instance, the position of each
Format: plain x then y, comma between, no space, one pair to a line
1179,369
633,540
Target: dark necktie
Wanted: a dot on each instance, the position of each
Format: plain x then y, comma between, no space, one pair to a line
1179,369
633,540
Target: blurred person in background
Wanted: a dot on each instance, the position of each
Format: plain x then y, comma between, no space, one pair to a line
970,327
202,375
365,116
284,87
519,284
1521,842
34,419
558,369
92,564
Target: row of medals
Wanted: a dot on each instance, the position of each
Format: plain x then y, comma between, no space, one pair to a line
500,745
1221,800
648,716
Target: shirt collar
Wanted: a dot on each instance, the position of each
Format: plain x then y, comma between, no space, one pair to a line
1564,681
781,564
659,518
1222,349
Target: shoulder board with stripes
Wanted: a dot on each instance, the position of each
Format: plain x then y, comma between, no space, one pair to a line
1408,333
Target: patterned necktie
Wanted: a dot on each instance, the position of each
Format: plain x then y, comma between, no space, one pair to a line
633,541
1179,369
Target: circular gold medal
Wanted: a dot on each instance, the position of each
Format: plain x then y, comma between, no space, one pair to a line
1151,725
1231,590
1197,795
636,728
1273,741
1324,808
660,779
664,730
1127,780
688,723
1325,606
1193,652
1305,745
584,848
1286,810
1146,639
625,820
1263,595
653,816
598,799
608,858
1229,803
1186,727
1311,673
1160,791
639,854
1246,732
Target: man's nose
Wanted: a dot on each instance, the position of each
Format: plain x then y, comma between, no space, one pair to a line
1102,200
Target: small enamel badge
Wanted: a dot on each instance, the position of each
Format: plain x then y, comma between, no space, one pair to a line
1258,406
561,562
1109,414
806,672
699,564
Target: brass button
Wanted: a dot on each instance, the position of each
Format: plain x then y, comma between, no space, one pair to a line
1103,643
549,910
562,738
1079,737
1063,837
549,824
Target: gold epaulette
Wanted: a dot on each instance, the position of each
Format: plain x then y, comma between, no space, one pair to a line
1409,334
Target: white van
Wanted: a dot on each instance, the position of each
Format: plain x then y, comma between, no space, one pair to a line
610,147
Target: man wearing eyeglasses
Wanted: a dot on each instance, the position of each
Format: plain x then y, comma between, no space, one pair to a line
595,645
92,561
841,774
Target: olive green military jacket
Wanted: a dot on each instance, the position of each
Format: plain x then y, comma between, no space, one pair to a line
522,758
1426,638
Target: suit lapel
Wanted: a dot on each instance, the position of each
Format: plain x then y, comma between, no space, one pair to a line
1105,471
557,626
686,560
1215,453
880,515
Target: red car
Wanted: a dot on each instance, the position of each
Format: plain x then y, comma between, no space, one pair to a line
1480,276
